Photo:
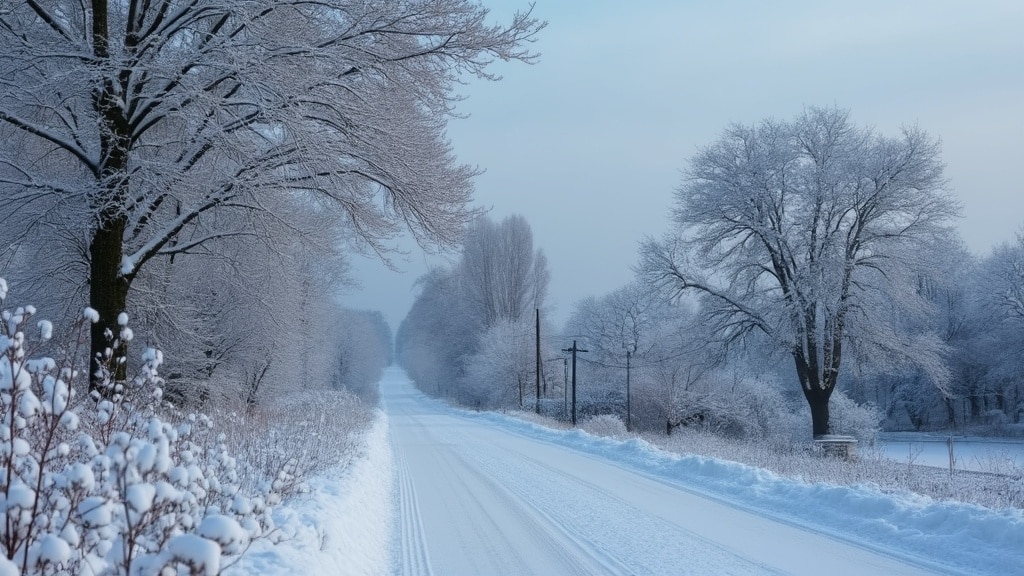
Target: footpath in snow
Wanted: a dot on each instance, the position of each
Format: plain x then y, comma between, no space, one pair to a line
447,491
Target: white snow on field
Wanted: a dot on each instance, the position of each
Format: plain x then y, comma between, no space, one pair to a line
343,527
994,455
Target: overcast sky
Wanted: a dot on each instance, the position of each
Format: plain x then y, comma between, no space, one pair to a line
589,143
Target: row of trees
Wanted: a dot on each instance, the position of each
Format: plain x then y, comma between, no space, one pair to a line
975,312
968,316
470,335
829,244
811,250
153,149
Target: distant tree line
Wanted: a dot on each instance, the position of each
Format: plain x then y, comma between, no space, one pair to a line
470,335
811,251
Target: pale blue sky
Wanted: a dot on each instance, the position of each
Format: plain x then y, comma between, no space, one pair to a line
589,143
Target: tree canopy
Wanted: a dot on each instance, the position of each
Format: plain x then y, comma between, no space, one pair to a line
154,129
805,234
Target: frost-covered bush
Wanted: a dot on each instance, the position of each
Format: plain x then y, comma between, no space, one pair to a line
298,435
738,406
605,425
861,421
101,483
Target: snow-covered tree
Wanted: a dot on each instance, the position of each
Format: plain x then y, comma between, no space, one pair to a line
363,347
501,373
502,276
468,325
667,356
144,125
805,234
997,335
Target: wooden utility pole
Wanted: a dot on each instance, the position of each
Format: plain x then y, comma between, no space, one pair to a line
629,427
538,360
574,350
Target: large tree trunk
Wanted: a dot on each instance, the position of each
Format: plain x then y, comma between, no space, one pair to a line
817,399
108,295
817,391
108,287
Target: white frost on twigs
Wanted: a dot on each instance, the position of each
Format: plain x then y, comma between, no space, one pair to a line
91,315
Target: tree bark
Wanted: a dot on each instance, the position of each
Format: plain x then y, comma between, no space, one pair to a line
817,399
108,295
108,286
817,392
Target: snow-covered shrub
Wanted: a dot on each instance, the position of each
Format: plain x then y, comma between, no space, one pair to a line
605,425
861,421
736,405
102,483
501,372
298,435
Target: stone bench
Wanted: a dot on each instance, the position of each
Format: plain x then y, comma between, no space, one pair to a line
837,445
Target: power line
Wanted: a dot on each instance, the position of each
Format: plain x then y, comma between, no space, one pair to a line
634,365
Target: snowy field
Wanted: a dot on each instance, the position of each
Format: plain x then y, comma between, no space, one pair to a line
993,455
445,491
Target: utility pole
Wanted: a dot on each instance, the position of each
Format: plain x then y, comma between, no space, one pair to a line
565,385
538,360
629,427
574,350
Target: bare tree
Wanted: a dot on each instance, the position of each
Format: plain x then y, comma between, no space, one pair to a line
802,232
146,122
471,327
503,277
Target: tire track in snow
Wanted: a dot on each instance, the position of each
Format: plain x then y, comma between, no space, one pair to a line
555,510
663,526
586,556
415,555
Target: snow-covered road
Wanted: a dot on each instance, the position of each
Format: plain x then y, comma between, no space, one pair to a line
478,499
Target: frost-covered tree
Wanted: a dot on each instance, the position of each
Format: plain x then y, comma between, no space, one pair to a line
362,344
451,329
662,346
503,278
624,320
502,371
997,335
805,234
144,125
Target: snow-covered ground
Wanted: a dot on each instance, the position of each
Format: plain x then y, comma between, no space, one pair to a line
995,455
343,526
481,493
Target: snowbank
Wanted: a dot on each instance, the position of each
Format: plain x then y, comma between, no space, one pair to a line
343,526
